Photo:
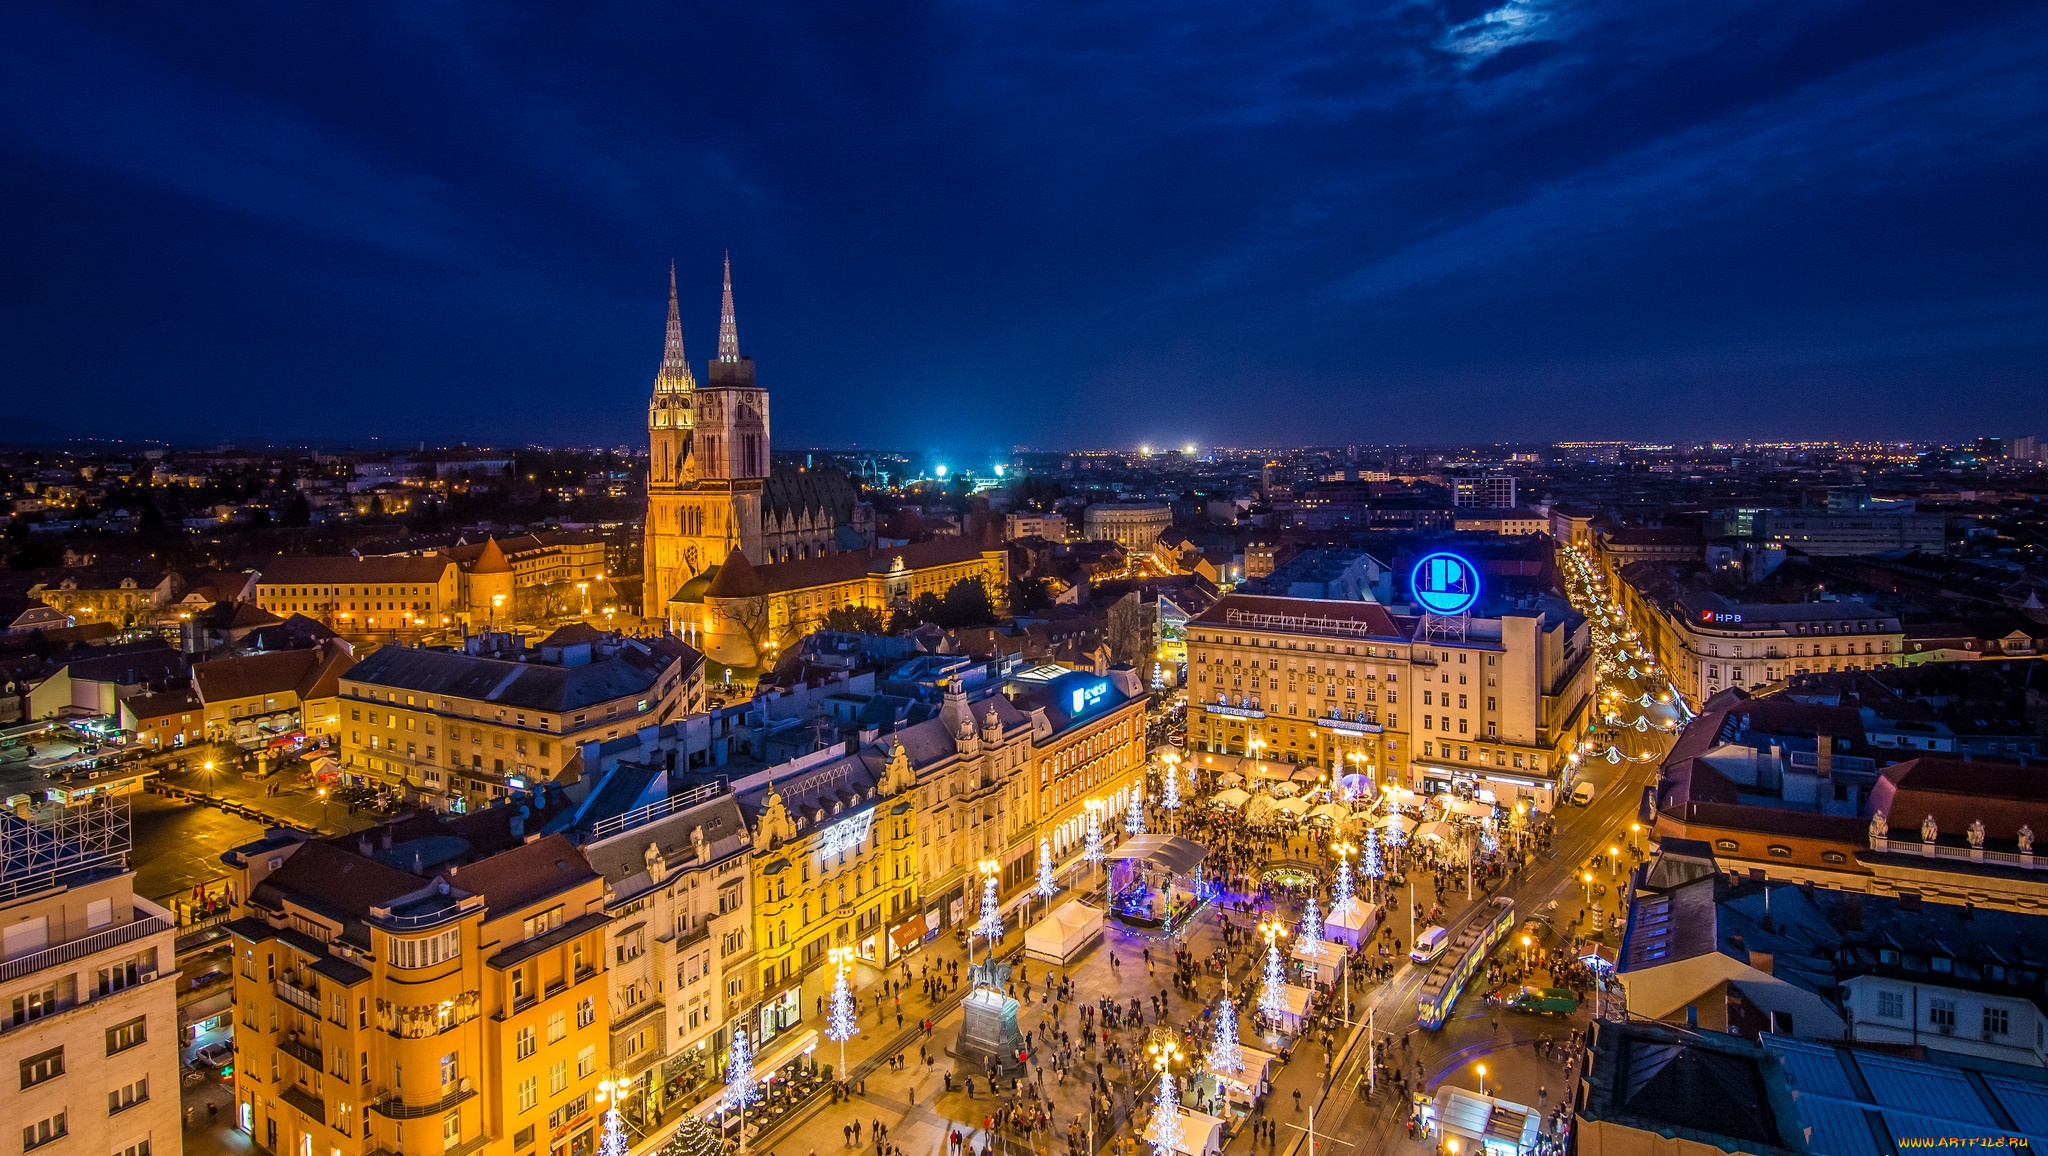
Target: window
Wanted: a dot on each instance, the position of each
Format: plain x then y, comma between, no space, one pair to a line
586,1061
43,1131
451,1069
43,1066
523,1137
558,1026
125,1036
558,1078
586,1012
529,1093
1891,1005
434,949
1997,1021
139,1148
1942,1013
127,1096
524,1043
34,1005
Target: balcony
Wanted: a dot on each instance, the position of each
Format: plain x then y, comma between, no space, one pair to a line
300,1050
392,1108
291,993
313,1106
140,928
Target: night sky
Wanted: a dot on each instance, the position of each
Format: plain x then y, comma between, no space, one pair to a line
976,225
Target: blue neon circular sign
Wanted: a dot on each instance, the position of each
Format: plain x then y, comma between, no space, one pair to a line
1444,583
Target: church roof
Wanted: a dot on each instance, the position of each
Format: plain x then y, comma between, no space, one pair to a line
737,578
823,492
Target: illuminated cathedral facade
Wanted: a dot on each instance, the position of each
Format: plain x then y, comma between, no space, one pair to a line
711,490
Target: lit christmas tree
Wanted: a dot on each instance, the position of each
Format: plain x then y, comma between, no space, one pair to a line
740,1088
990,925
842,1023
1341,899
1092,848
1311,937
1169,789
1166,1129
1134,815
1271,997
1225,1053
1371,863
1047,884
613,1141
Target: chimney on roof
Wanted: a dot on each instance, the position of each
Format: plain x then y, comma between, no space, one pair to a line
1824,755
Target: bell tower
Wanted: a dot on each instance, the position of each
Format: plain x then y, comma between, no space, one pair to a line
709,466
671,420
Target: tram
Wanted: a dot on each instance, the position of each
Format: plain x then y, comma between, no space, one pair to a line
1483,930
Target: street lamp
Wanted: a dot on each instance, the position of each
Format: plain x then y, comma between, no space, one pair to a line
1482,1079
1614,862
1634,829
1587,878
1527,943
323,806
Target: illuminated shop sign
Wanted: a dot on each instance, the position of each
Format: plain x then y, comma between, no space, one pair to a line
1719,616
1087,698
1444,583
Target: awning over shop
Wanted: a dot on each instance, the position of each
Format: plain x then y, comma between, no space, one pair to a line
1171,852
1397,822
1466,807
1439,831
1331,811
1294,807
909,933
1231,798
207,1007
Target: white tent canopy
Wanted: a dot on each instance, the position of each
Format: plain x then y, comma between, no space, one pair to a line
1397,822
1294,807
1232,797
1331,811
1439,831
1353,924
1466,807
1064,933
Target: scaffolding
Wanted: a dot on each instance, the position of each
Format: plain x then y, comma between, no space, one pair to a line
51,844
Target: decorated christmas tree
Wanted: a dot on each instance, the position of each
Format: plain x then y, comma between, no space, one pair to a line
1371,862
1166,1129
692,1137
613,1141
1169,789
1225,1053
1092,848
1342,902
1271,996
1047,883
1310,939
990,925
740,1088
842,1023
1134,815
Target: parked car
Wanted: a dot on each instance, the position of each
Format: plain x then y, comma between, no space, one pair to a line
1429,945
215,1055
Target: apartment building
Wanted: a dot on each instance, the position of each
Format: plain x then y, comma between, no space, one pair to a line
1088,746
679,944
1341,684
971,763
363,594
89,1038
453,1004
457,727
834,865
1709,643
251,698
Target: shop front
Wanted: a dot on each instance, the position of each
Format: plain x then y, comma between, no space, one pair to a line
781,1013
907,936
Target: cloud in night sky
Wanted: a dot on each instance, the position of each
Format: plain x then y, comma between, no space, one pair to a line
979,224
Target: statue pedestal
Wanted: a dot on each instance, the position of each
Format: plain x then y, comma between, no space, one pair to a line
989,1032
1976,854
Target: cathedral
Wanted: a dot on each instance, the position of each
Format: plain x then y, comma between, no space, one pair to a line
710,488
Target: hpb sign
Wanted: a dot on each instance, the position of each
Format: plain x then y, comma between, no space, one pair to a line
1444,583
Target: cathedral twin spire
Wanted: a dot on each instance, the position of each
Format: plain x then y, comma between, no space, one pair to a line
675,375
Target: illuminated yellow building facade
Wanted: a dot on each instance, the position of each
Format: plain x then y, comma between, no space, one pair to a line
457,1008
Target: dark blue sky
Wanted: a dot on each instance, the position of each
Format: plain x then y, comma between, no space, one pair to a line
984,224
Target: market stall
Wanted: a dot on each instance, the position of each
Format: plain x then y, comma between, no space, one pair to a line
1324,965
1241,1089
1353,923
1064,933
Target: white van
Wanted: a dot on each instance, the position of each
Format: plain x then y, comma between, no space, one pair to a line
1429,944
1582,795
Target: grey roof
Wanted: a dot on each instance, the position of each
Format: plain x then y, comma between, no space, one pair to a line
1862,1103
622,858
634,669
1172,852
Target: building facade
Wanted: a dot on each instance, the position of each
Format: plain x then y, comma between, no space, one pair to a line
1709,643
1088,747
455,1008
460,727
1341,684
1133,526
87,975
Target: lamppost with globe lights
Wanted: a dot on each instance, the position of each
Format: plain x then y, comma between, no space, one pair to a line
1166,1129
